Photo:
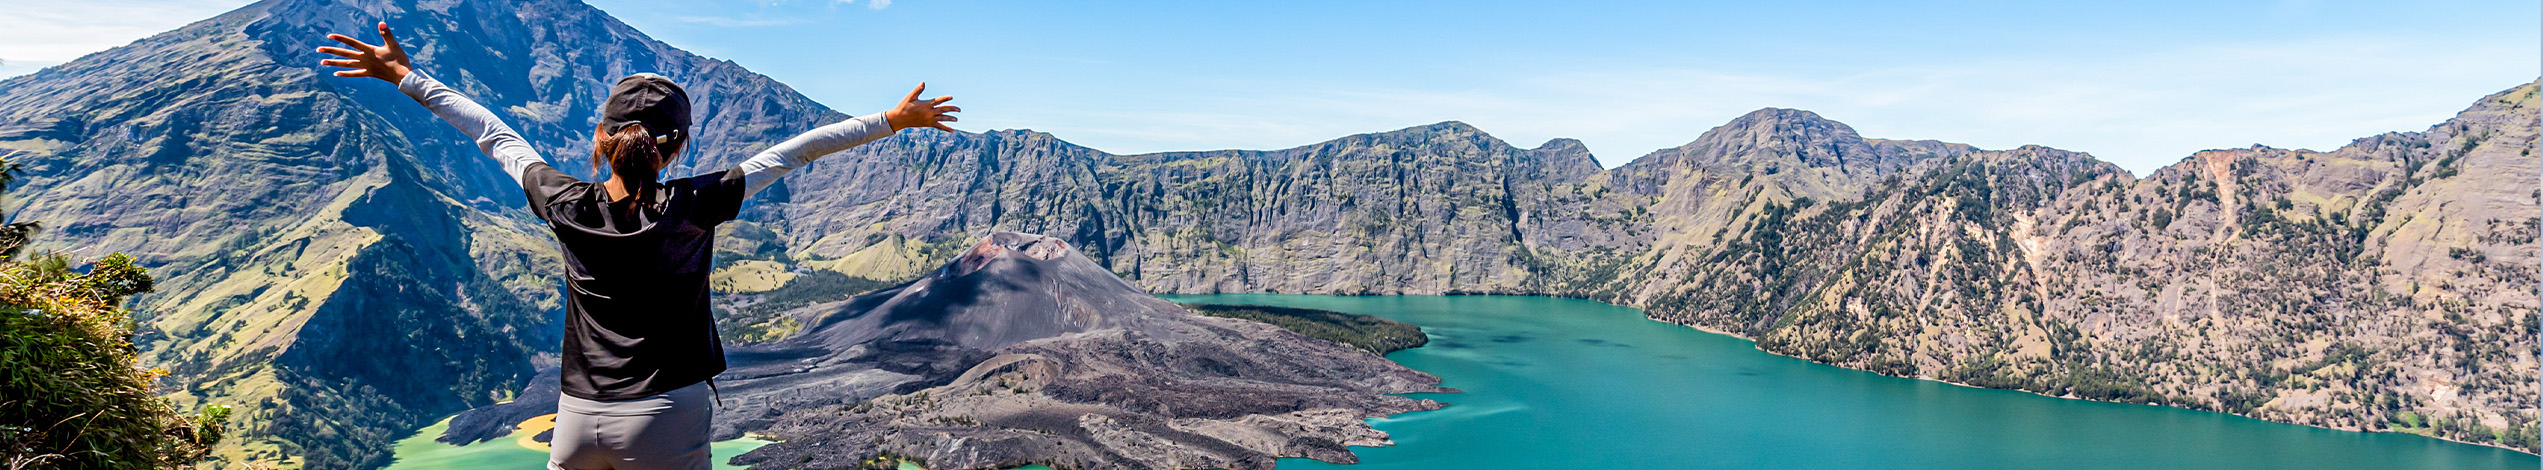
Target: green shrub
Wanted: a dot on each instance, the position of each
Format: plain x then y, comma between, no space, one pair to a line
2411,420
74,397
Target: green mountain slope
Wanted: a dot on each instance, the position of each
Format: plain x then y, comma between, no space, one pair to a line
339,265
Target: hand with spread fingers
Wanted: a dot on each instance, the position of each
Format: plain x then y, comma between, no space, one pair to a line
385,62
915,112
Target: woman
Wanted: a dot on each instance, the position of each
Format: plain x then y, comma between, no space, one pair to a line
640,343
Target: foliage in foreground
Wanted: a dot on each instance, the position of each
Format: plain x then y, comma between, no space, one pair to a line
74,397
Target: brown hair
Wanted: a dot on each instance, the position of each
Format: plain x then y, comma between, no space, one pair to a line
630,153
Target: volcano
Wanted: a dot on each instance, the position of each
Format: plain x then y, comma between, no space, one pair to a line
1023,351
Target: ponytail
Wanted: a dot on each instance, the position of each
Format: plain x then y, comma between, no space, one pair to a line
630,153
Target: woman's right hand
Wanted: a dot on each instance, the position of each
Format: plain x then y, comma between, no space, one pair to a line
386,62
916,112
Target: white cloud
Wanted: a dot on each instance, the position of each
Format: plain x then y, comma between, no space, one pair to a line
51,32
878,4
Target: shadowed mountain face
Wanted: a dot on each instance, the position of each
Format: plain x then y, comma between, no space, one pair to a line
1024,351
344,268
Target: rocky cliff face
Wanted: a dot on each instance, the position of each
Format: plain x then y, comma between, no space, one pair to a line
1433,209
2380,286
1703,194
313,233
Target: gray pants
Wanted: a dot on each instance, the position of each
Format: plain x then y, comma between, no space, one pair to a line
666,431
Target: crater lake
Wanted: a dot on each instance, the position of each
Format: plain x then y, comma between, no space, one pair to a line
1566,383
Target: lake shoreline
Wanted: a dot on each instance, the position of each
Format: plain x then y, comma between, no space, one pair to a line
1645,313
1753,345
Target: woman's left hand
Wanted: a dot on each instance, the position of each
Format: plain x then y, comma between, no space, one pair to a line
385,62
914,112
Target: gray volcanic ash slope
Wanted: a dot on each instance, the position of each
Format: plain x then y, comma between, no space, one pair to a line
1023,351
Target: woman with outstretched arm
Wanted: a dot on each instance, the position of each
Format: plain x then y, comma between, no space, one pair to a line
640,342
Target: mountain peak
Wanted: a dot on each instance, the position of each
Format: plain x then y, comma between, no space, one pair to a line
1441,132
1434,129
1785,123
1773,139
1008,288
1782,116
1562,144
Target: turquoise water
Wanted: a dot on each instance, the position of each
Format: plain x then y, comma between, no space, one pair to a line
1562,383
419,452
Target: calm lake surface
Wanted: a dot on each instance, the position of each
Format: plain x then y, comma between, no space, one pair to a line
419,452
1563,383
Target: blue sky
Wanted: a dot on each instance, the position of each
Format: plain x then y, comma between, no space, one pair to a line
2141,84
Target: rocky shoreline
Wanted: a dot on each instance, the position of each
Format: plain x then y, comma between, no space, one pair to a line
1753,341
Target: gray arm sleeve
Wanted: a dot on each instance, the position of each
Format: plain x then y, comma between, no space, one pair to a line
492,135
796,152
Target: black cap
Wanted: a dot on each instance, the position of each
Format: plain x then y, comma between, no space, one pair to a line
651,100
